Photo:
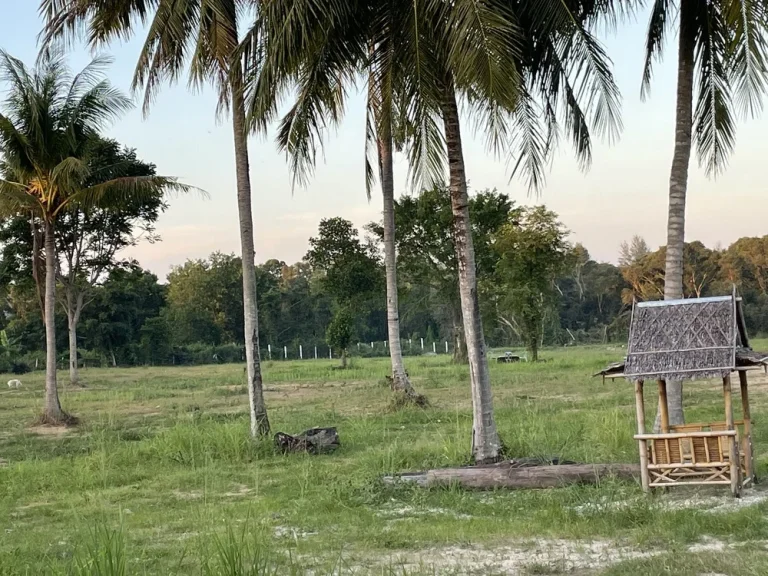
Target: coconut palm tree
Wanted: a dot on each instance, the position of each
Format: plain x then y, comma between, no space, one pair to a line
202,34
498,56
49,123
722,60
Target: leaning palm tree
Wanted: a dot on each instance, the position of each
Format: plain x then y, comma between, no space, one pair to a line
204,35
49,123
722,57
417,57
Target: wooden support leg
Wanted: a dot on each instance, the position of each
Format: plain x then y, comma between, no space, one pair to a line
749,457
642,446
663,406
733,458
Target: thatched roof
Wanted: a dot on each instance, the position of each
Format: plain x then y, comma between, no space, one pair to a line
686,340
745,358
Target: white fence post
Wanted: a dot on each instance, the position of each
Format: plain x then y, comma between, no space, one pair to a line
446,346
269,350
285,352
422,343
315,352
434,348
330,352
301,353
385,344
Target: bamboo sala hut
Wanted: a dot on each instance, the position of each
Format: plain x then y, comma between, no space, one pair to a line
692,339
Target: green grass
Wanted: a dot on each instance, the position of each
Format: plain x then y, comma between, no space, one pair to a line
161,477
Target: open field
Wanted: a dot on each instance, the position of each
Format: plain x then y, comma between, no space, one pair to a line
161,478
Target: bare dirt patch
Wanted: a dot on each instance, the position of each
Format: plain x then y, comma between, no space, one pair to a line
192,495
238,491
50,431
556,556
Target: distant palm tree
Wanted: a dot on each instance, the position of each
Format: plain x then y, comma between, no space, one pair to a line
722,43
202,34
49,122
519,65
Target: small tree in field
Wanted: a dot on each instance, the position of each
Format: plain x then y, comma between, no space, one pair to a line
532,255
339,333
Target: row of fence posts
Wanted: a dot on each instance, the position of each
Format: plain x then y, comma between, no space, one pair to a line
330,350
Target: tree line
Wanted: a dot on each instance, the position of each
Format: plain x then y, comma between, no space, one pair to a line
537,289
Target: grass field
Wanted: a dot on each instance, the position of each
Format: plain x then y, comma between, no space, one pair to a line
161,477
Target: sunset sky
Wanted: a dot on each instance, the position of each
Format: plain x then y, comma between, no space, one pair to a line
624,193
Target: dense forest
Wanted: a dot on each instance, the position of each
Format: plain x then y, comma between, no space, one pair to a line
536,289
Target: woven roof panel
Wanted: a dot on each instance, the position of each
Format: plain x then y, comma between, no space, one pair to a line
682,339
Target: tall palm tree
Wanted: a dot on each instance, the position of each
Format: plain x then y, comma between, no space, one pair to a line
418,56
204,35
49,124
722,43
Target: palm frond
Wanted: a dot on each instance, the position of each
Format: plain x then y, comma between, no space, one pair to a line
14,200
658,27
484,48
713,122
528,146
120,190
70,173
97,23
748,53
372,112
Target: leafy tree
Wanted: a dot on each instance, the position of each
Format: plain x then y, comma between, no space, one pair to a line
646,279
339,333
204,35
590,305
114,323
631,252
746,263
48,128
89,241
205,299
532,255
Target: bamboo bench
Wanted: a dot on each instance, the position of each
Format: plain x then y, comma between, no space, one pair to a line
696,454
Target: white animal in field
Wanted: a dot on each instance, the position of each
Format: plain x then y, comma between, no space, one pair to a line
14,384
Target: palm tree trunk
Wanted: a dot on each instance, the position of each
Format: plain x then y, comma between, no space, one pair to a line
486,446
258,410
400,380
678,185
52,413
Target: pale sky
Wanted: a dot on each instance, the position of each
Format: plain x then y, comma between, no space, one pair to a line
624,193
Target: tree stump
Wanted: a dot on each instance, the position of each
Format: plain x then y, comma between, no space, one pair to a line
314,441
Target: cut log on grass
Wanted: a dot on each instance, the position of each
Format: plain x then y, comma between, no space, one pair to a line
514,477
314,441
506,476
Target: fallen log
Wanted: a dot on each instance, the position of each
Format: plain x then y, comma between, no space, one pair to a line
505,475
511,475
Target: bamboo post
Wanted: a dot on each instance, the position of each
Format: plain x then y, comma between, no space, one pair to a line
749,457
663,406
641,443
733,458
